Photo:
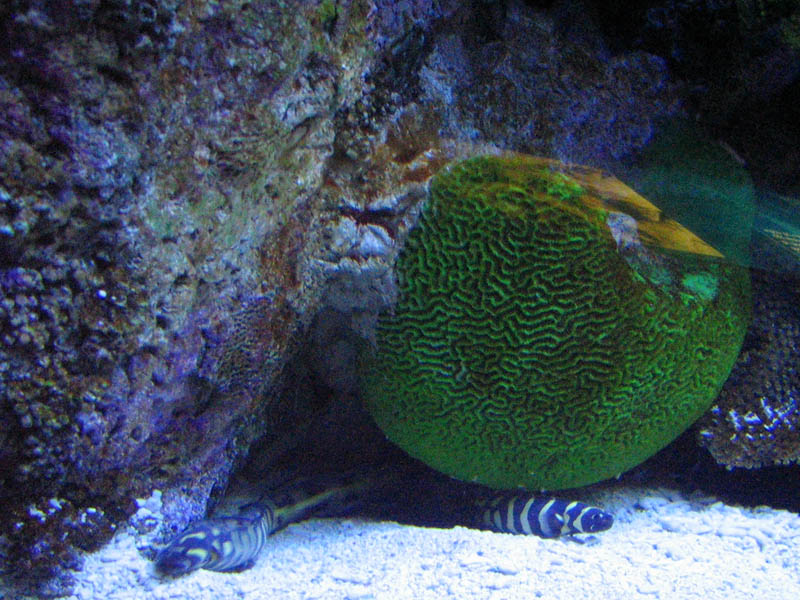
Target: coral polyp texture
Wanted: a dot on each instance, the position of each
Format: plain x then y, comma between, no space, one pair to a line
755,420
553,328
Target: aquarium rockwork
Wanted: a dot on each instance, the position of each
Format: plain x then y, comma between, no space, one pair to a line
419,299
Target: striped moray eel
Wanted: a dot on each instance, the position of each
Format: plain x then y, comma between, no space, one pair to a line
220,544
543,516
232,543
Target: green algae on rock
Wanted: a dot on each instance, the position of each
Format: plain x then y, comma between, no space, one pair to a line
545,334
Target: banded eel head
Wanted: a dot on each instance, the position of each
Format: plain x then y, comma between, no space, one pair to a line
582,518
543,516
219,544
187,552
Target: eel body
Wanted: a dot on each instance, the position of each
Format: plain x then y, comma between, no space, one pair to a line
232,543
544,516
220,544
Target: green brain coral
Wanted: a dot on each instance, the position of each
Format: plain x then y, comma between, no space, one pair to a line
544,338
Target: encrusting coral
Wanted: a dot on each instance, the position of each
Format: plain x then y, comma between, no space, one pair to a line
754,420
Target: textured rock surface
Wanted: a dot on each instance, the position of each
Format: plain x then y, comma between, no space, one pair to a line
543,337
755,421
535,85
738,62
160,239
703,39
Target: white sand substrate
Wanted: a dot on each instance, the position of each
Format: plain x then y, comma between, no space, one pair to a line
662,545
